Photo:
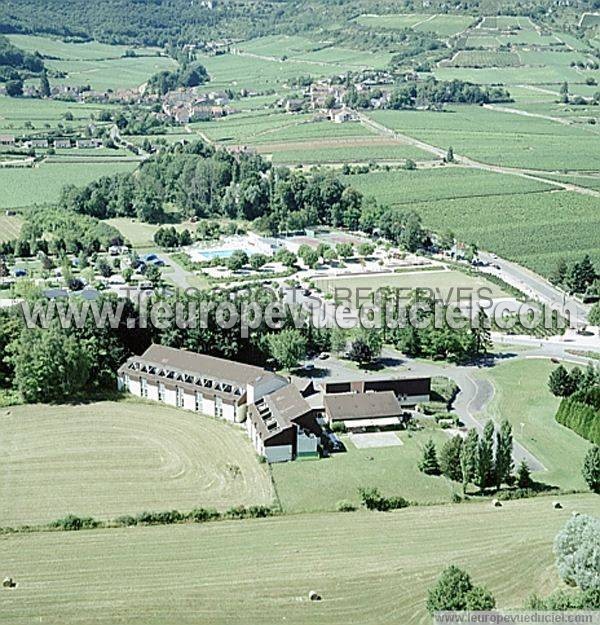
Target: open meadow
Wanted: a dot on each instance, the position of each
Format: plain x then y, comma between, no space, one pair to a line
444,284
521,395
107,459
25,186
141,234
319,485
10,227
370,568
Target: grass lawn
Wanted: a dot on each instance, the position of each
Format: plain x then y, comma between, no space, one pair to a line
10,227
25,186
106,459
316,485
141,234
370,568
442,283
522,397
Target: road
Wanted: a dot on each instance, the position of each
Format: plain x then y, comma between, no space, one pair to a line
534,285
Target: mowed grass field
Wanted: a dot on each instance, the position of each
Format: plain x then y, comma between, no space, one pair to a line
369,568
25,186
111,458
318,485
447,284
10,227
522,397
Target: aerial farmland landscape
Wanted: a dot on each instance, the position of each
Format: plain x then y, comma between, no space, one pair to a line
299,312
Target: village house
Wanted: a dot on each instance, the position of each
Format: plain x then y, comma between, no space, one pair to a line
364,410
7,140
62,143
37,143
88,143
408,391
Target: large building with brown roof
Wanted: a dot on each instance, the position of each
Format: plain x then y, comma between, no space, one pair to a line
206,384
279,422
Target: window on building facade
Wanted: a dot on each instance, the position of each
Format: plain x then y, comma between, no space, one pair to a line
218,407
199,402
179,397
161,391
144,387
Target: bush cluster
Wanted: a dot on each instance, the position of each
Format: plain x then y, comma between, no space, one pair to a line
372,499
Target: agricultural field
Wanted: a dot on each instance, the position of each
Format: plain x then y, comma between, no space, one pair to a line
318,485
589,20
370,568
522,396
443,25
107,459
332,151
65,51
500,138
535,229
119,73
484,58
444,283
43,114
10,227
25,186
400,186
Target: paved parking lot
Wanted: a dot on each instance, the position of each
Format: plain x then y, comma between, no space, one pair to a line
375,439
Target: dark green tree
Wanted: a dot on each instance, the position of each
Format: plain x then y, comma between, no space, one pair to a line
524,475
468,458
450,454
591,468
485,458
429,462
504,453
454,591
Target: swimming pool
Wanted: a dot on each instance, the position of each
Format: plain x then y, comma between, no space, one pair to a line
210,254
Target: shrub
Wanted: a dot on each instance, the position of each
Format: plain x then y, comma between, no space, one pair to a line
71,523
591,469
577,553
345,506
339,427
167,517
201,515
372,499
455,591
252,512
125,520
581,413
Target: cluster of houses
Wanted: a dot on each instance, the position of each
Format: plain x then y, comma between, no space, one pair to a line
44,143
188,105
285,419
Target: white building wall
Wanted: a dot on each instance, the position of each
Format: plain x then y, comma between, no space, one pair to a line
170,398
152,392
278,453
189,401
229,412
135,388
208,407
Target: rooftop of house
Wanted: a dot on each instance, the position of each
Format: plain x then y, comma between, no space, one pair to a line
347,406
210,366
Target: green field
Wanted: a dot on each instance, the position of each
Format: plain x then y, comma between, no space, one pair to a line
90,50
484,58
140,234
318,485
443,25
370,568
522,396
43,114
25,186
535,229
429,184
9,227
499,138
107,459
443,283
